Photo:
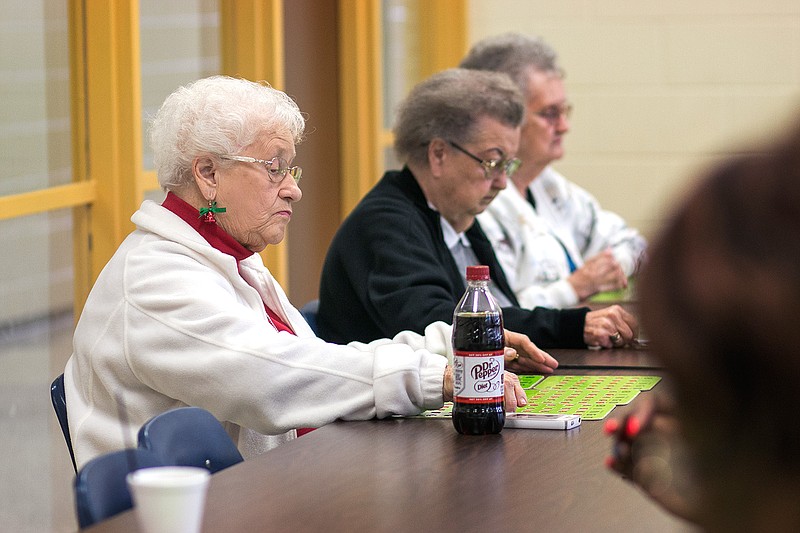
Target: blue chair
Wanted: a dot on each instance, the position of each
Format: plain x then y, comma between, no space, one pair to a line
59,400
189,436
100,487
309,312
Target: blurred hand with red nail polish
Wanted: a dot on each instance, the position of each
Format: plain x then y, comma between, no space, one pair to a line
646,449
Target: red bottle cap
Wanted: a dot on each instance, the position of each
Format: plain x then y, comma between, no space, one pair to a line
478,272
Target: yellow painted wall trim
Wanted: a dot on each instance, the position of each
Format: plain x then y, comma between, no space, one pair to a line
61,197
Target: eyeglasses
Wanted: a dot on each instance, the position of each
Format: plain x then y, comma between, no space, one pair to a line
553,113
492,168
277,167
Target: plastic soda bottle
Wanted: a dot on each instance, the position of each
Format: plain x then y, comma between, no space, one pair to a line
478,342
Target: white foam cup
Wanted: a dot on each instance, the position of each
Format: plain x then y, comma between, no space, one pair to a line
169,499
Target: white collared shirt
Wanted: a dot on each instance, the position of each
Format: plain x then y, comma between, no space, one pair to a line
464,256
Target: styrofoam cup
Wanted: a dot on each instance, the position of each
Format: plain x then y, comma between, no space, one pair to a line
169,499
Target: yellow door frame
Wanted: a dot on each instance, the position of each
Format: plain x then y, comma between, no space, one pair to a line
443,31
360,97
112,76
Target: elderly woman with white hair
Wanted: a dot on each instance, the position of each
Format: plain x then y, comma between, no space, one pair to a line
186,313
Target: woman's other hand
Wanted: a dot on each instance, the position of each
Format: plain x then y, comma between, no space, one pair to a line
523,357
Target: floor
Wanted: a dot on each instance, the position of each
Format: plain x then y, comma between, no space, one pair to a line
36,475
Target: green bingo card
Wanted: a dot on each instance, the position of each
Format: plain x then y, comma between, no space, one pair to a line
592,397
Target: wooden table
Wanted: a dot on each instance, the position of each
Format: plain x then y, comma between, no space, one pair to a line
420,475
628,359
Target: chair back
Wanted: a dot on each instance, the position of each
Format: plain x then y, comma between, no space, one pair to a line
59,400
309,312
189,436
101,490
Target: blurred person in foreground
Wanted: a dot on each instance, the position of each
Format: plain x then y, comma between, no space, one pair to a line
186,313
557,245
720,296
398,261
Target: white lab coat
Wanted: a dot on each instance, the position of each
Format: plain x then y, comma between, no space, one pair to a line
528,242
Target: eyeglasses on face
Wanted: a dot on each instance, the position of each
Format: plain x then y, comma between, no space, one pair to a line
553,113
277,167
492,168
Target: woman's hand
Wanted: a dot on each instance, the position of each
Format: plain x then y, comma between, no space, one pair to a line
447,384
513,393
610,327
648,451
599,273
522,356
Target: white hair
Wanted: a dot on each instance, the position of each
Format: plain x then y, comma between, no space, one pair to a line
217,116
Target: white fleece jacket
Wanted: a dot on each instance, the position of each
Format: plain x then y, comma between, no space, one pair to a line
170,322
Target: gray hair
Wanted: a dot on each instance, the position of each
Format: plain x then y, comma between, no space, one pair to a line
448,104
215,116
515,54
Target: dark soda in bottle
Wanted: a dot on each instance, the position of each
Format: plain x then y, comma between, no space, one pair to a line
478,343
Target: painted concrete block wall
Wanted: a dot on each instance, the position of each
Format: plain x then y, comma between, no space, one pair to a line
661,89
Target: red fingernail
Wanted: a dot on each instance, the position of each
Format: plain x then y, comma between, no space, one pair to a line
611,426
632,427
609,462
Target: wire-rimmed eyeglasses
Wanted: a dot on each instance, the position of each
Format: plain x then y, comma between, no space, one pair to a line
553,113
492,168
277,167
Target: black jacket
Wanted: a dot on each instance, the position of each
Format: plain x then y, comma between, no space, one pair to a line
388,269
